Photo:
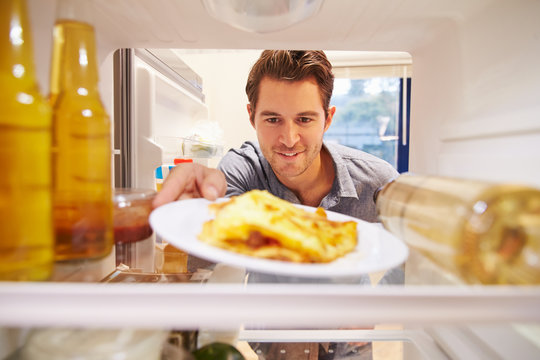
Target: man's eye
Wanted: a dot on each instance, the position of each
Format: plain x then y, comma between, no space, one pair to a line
272,120
304,120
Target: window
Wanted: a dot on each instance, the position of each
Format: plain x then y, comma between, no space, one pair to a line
371,100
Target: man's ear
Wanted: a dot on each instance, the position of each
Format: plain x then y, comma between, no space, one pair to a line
331,112
251,115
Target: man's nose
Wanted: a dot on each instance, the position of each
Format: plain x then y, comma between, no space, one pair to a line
289,134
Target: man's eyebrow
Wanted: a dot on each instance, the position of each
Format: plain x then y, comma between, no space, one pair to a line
308,113
303,113
269,113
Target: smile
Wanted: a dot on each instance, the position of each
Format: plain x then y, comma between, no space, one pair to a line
288,153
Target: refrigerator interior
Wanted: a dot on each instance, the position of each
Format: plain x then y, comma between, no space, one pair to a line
158,104
482,120
474,113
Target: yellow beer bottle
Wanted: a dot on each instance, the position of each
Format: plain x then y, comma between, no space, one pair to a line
483,232
26,234
82,195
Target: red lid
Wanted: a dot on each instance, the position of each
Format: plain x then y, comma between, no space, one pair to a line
179,161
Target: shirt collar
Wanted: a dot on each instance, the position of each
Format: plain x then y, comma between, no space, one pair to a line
343,184
276,187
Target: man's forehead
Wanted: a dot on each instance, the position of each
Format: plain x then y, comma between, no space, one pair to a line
267,80
305,91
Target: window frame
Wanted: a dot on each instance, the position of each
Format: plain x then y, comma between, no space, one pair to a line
365,65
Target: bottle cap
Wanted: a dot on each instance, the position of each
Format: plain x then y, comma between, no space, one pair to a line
180,161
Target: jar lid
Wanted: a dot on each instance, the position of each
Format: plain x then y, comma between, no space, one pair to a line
126,195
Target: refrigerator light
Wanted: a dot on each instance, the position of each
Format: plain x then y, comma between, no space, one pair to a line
262,16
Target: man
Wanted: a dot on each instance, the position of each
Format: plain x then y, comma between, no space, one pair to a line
289,106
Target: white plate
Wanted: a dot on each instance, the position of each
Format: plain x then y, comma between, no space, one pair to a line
180,222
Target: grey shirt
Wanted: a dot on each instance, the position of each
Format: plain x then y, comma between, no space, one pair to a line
358,176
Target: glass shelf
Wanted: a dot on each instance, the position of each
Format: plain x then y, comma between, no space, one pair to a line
415,308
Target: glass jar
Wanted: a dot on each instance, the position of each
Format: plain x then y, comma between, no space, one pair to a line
133,236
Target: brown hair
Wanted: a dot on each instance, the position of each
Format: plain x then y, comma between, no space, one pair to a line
292,65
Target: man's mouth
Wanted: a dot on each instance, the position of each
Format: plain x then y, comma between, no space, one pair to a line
291,154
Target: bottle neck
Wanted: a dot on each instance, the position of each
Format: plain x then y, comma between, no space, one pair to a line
74,66
378,190
16,61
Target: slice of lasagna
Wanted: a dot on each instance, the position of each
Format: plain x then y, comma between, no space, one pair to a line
259,224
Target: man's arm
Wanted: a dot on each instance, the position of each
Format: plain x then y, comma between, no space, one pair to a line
191,180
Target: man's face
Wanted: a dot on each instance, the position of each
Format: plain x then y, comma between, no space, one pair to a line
290,122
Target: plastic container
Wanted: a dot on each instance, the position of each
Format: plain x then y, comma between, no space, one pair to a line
94,344
193,148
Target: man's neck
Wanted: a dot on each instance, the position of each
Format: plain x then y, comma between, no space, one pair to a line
312,186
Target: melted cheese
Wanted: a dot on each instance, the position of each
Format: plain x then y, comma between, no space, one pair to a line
262,225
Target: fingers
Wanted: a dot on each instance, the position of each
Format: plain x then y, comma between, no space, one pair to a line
213,184
187,181
172,187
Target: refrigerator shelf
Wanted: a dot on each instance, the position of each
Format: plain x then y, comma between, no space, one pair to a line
189,305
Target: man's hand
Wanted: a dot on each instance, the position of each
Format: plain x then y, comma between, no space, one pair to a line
190,180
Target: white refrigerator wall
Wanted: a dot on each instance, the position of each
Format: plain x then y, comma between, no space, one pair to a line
476,97
476,80
224,76
163,113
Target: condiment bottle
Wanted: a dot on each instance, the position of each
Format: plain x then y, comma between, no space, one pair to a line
82,185
26,235
486,233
